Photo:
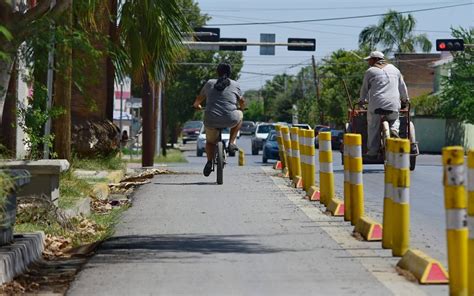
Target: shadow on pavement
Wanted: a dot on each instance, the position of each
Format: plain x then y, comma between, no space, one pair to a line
134,248
185,183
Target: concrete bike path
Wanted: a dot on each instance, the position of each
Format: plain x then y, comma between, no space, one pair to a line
185,235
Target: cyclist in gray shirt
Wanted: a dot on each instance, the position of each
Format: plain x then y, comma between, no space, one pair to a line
224,102
384,90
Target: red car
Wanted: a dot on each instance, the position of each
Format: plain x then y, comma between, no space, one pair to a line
190,131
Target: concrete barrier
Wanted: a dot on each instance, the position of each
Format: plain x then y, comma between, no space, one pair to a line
369,229
456,225
425,269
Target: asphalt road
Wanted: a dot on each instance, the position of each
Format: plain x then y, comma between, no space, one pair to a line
256,236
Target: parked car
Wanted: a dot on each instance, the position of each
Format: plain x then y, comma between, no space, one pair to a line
270,149
190,131
337,136
301,126
248,128
316,139
201,140
260,135
318,127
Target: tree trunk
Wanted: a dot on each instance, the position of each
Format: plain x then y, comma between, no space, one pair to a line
164,128
62,97
110,66
8,123
5,74
147,103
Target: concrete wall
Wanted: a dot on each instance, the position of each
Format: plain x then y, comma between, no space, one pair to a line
433,134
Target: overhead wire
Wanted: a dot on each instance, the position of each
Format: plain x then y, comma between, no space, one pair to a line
340,18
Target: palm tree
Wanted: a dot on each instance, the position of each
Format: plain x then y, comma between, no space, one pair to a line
151,33
395,33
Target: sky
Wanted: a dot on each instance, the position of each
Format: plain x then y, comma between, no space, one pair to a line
330,35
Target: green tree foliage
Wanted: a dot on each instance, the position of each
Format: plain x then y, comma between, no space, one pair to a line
254,106
192,70
457,95
394,33
5,35
426,105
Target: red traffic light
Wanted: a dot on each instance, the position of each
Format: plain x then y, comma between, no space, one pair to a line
449,44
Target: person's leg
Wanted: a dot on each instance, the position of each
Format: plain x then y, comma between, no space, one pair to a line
373,133
212,136
234,131
394,123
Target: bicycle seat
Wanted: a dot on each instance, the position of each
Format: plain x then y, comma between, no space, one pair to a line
381,111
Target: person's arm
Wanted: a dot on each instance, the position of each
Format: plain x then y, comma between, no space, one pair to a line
241,102
402,88
364,90
200,98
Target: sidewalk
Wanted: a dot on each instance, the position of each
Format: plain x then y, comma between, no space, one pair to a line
253,235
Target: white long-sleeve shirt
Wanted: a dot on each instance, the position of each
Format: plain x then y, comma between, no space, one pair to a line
383,88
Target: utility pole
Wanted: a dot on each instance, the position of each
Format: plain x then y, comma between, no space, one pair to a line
318,93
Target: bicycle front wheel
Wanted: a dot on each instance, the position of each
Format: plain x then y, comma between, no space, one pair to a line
220,163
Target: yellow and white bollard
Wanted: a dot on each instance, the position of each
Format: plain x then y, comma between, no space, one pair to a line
285,133
312,191
280,164
303,157
388,197
296,178
241,157
356,186
326,176
470,219
401,198
455,202
347,180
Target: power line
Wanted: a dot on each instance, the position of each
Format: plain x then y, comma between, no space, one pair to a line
319,8
338,18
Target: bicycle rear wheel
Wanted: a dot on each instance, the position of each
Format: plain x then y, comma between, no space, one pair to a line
220,163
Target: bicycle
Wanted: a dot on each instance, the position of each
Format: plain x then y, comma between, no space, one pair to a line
219,159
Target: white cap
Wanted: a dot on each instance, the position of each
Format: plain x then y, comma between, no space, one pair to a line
375,54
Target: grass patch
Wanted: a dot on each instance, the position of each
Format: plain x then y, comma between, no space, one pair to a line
173,155
99,163
72,189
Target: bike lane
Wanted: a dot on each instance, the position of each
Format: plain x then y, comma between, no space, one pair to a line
253,235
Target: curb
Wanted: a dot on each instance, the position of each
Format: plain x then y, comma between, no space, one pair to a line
369,229
313,193
426,269
336,207
278,165
15,258
115,176
297,182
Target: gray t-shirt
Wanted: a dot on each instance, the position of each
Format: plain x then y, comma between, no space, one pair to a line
383,88
221,106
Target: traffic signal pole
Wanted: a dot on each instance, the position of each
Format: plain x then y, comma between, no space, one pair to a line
318,93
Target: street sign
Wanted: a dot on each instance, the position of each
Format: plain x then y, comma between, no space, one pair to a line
207,34
311,44
449,44
233,47
267,49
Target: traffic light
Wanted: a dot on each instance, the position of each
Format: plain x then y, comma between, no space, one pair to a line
311,44
233,47
449,44
207,34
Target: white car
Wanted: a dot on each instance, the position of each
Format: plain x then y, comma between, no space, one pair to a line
260,135
201,140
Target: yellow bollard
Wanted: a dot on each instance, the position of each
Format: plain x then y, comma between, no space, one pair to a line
281,151
303,156
455,202
326,176
241,157
347,180
285,132
401,198
311,153
470,219
356,186
296,157
388,195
